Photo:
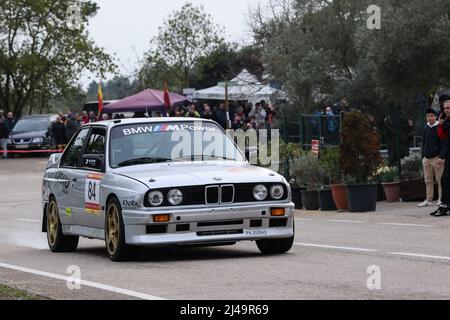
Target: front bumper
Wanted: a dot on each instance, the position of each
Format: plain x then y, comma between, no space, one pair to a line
30,147
209,225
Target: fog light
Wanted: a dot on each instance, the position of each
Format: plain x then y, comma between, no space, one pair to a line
161,218
277,212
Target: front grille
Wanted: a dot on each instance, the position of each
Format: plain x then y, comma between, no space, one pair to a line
212,195
22,141
220,223
219,233
227,194
217,194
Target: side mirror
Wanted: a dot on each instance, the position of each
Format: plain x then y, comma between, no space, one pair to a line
93,161
54,159
251,154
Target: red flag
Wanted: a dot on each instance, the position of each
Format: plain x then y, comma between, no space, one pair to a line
100,99
167,103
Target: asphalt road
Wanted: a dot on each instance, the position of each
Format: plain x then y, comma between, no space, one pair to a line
330,260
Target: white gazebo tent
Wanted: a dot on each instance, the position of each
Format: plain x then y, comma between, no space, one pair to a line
245,87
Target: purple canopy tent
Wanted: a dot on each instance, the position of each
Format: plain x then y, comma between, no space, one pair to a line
147,100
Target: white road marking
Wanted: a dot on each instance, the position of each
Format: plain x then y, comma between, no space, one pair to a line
302,219
415,255
344,221
406,225
27,220
334,247
83,282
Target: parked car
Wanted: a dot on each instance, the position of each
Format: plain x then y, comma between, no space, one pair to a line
127,183
31,133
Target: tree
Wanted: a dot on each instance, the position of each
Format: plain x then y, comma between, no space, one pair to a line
43,51
336,56
186,36
115,89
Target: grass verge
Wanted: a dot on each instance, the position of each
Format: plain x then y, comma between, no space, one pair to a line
8,293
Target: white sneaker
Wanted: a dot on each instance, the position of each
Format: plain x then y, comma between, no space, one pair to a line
424,204
439,203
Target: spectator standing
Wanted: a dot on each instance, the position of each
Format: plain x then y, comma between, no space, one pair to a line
192,113
444,208
260,115
92,118
105,117
4,135
58,133
10,122
71,126
221,116
239,119
431,153
207,113
85,117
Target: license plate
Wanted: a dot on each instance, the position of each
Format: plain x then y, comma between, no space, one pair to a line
22,146
255,233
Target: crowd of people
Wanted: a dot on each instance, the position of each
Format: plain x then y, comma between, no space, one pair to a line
259,116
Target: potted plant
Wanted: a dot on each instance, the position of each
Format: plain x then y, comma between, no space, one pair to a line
329,161
308,173
360,158
412,186
390,181
288,152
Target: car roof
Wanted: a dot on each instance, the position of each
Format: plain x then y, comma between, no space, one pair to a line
117,122
38,116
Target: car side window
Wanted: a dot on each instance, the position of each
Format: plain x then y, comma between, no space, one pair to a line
96,142
71,157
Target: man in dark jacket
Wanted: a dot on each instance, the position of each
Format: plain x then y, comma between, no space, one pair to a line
431,151
72,126
58,132
4,135
444,209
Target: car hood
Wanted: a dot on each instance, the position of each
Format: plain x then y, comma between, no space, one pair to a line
27,134
169,175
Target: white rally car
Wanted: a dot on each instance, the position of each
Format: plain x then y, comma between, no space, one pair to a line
162,181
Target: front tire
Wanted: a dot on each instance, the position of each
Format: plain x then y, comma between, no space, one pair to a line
116,247
57,241
275,246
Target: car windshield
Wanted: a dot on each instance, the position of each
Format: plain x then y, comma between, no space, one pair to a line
145,143
32,124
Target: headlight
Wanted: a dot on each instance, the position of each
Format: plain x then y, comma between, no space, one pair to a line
277,192
175,197
155,198
38,140
260,192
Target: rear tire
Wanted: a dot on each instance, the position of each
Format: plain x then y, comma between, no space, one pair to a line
57,241
116,247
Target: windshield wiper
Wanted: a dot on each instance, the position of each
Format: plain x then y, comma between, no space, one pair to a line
132,162
203,157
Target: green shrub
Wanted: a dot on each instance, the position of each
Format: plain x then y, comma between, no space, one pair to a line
360,148
307,172
412,167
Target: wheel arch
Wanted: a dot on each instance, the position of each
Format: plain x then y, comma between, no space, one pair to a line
44,213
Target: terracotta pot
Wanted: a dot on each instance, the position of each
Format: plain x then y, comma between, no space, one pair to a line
392,191
340,196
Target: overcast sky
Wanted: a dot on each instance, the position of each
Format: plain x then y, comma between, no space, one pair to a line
125,27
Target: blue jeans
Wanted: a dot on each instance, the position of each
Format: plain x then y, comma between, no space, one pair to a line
4,143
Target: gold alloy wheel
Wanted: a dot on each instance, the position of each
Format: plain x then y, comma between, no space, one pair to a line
112,229
52,223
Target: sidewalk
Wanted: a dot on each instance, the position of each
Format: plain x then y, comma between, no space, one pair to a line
399,212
